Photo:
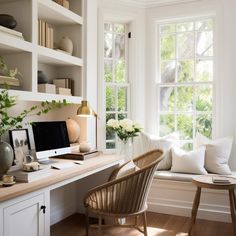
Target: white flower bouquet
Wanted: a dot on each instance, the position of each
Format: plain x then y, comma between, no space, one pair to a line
125,128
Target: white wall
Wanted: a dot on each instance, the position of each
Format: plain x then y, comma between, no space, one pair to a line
225,66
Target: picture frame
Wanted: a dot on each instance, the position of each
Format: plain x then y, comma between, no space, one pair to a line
20,142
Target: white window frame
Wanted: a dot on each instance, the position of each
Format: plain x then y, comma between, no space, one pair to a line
159,84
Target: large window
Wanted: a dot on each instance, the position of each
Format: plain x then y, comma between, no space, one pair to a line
185,85
115,76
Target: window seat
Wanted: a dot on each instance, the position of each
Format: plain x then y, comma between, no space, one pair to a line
173,193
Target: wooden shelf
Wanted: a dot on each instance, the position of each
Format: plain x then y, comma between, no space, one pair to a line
40,97
11,44
56,14
53,57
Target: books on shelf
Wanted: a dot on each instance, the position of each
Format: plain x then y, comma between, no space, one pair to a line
47,88
66,83
45,34
220,180
23,176
64,91
64,3
11,32
9,81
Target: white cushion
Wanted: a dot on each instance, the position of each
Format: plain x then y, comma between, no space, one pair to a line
127,169
217,153
188,162
147,142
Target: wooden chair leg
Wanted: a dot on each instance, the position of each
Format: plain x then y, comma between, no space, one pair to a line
145,223
87,222
136,220
100,225
232,208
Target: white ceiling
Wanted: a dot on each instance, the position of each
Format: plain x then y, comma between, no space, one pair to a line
154,3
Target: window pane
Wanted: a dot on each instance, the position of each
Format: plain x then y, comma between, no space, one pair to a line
110,135
187,26
185,45
122,116
110,98
119,46
167,98
167,47
185,98
110,145
108,27
204,98
185,126
122,99
204,44
204,25
108,45
119,28
168,72
170,28
108,70
166,124
120,71
204,125
204,70
185,71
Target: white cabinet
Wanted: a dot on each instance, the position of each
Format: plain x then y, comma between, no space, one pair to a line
25,218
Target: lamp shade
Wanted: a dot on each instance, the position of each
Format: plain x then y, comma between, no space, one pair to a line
84,110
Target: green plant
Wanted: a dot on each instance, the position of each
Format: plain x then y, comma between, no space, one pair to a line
9,122
12,73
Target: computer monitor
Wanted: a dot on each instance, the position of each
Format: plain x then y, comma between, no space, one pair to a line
51,139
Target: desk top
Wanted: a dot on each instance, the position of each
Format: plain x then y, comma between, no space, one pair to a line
205,181
89,167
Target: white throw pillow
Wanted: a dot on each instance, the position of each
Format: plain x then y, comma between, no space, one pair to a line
127,169
188,162
146,142
217,153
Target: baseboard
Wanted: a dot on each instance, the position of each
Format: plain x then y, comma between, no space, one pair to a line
176,198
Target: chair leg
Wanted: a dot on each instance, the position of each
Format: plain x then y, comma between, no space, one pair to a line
87,222
100,225
145,223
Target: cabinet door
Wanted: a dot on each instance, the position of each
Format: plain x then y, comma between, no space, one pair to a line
25,218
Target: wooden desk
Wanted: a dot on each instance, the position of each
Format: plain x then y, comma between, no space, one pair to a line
24,202
206,182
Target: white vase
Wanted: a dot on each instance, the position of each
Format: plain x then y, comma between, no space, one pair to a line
125,147
66,45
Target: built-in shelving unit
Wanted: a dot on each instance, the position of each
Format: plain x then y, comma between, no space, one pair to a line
29,57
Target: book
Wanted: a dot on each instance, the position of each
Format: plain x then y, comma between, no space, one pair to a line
11,32
43,43
65,83
47,88
63,91
220,180
23,176
9,81
80,155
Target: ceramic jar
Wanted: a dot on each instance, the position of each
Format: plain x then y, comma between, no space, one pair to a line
73,130
84,147
42,78
66,45
7,21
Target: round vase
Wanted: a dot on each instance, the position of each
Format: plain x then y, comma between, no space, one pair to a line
42,78
7,21
6,157
73,130
66,45
125,147
84,147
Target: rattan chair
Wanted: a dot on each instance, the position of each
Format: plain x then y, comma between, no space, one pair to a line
124,197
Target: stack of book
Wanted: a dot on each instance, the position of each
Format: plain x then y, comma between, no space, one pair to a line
9,81
11,32
220,180
23,176
45,34
65,86
64,3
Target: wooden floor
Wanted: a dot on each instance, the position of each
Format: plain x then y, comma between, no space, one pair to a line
158,225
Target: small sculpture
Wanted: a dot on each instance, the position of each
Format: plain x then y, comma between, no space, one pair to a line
7,21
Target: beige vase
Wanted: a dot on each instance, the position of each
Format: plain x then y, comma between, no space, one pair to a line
66,45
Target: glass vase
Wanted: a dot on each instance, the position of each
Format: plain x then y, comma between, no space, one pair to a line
125,147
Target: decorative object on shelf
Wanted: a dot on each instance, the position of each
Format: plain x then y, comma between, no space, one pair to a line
65,83
7,21
8,180
84,147
8,76
64,3
66,45
10,122
42,78
47,88
64,91
126,130
45,34
73,130
32,166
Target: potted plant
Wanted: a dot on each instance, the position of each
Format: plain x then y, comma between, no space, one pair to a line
9,122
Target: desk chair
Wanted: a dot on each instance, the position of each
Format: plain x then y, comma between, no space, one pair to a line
126,196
